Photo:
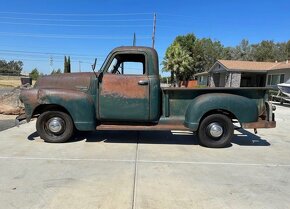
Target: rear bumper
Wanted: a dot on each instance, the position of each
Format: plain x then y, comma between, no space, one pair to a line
259,124
267,120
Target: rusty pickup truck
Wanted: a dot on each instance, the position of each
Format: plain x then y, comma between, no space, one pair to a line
125,94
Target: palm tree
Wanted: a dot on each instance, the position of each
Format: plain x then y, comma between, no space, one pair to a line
178,61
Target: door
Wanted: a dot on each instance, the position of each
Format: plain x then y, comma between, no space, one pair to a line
124,89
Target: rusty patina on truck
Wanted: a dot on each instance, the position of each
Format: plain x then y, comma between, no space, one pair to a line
115,99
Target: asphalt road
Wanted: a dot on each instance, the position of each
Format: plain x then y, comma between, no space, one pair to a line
113,169
6,124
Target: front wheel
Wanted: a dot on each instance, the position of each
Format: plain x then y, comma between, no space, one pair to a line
216,131
55,126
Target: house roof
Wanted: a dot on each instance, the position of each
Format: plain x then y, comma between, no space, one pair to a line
202,73
237,65
281,65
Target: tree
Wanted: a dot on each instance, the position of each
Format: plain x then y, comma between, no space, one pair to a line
179,62
179,59
212,51
58,71
280,52
34,74
288,49
264,51
186,42
11,67
243,51
67,67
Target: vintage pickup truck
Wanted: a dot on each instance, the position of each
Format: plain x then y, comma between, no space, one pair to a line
125,94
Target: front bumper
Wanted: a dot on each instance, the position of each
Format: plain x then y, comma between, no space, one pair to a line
267,120
20,118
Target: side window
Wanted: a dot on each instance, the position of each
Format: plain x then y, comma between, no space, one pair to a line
133,68
128,64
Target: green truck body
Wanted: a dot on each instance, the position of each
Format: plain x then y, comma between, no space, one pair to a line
112,99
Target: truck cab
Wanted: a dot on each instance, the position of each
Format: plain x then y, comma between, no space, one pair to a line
129,86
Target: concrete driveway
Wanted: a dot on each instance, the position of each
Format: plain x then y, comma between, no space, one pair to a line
145,170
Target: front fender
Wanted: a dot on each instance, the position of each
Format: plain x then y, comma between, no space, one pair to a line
243,108
79,105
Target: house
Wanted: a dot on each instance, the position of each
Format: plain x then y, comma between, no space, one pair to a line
234,73
202,78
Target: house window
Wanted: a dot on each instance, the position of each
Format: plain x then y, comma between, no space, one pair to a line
274,79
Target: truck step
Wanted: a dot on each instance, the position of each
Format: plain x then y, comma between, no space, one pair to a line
158,127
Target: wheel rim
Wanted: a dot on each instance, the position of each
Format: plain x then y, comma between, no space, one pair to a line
215,130
55,125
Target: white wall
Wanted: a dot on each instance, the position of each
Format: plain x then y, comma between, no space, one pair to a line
286,73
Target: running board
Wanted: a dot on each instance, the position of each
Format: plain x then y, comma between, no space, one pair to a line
158,127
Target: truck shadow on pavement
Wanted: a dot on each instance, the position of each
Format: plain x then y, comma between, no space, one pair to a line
243,138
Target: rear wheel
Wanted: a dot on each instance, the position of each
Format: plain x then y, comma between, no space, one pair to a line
215,131
55,126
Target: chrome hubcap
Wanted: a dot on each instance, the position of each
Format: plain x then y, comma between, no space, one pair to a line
55,124
215,130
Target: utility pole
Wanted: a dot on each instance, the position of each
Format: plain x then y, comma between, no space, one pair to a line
80,67
134,39
51,63
154,30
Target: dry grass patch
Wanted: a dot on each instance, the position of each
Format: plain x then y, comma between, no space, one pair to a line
10,83
6,81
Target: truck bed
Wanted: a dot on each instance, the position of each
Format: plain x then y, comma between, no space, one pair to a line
176,100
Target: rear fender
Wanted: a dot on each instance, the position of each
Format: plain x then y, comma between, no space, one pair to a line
244,109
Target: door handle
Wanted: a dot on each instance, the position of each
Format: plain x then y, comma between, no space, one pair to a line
143,82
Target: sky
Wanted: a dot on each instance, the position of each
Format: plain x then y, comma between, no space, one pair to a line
40,33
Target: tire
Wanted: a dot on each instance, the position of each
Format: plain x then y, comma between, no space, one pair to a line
216,131
55,126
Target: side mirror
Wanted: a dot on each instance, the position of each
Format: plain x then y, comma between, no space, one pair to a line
94,66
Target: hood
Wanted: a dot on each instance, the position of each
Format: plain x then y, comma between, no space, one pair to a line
65,81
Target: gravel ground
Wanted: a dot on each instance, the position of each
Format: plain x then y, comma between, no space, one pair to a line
6,121
4,90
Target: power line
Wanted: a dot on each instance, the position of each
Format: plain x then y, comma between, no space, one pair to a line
172,15
56,59
46,53
76,20
45,60
77,14
70,36
42,58
74,25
